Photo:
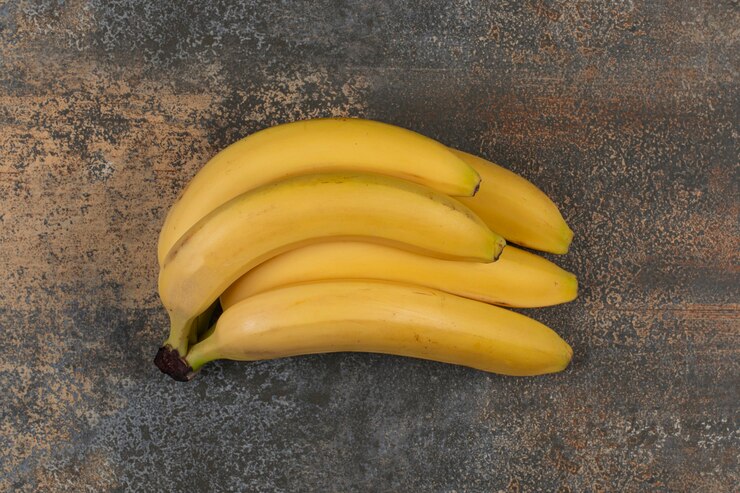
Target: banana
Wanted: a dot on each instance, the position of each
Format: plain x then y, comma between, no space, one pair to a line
278,217
516,209
380,317
518,278
315,146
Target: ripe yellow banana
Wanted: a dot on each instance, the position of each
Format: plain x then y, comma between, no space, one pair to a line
270,220
315,146
518,278
516,209
380,317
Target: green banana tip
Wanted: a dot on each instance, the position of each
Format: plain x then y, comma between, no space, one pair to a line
169,361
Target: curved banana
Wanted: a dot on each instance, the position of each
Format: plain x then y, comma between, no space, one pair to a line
315,146
298,211
380,317
516,209
518,278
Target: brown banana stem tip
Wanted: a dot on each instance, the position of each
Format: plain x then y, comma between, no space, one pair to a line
169,361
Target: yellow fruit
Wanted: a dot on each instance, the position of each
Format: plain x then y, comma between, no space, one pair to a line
518,278
380,317
516,209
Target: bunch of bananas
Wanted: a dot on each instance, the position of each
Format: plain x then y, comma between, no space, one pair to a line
342,235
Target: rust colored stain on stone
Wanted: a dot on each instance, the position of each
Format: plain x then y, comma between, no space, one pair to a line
625,113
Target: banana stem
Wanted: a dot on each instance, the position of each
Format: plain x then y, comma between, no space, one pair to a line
180,329
170,357
169,361
203,352
197,327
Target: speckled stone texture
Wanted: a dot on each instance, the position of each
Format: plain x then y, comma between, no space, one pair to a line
626,113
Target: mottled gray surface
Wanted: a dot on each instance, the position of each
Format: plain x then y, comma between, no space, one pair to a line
626,113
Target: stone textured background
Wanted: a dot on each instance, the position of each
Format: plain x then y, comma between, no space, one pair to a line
626,113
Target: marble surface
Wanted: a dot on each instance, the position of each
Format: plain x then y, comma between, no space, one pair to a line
626,113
